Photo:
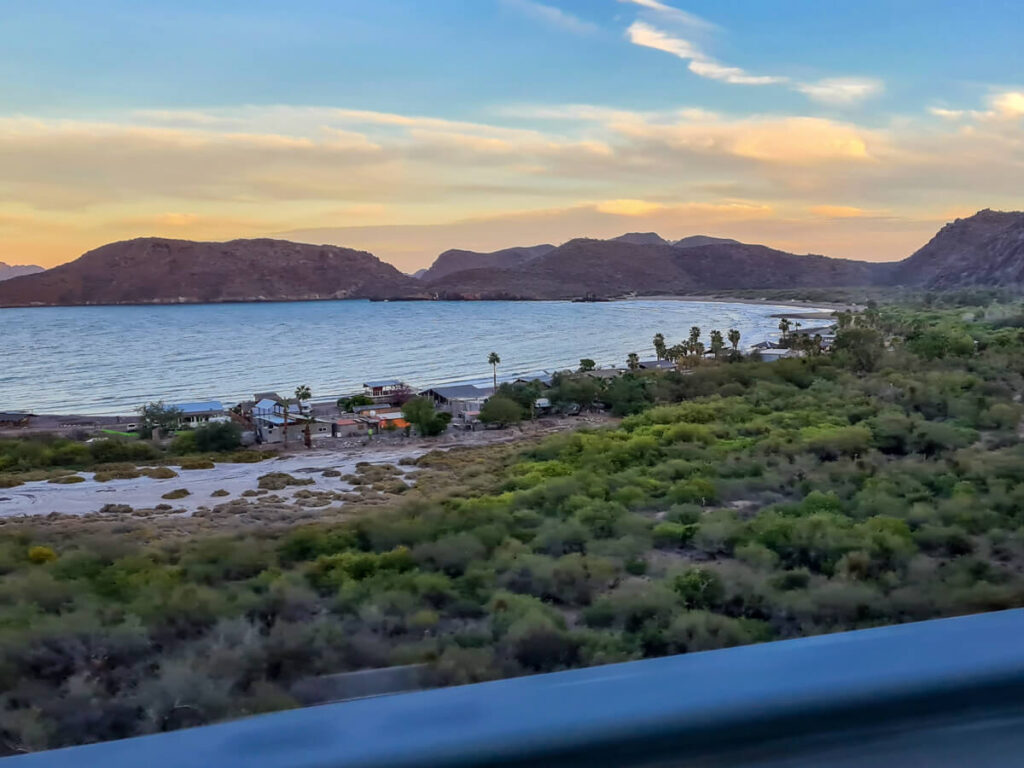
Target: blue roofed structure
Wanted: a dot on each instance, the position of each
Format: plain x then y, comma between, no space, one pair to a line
201,412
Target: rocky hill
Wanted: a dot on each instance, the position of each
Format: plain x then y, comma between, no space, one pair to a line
614,268
640,238
986,249
161,271
7,271
577,268
694,240
458,260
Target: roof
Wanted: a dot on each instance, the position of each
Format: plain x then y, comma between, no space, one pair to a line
364,408
657,364
203,406
346,422
383,383
266,405
460,392
545,378
605,373
13,416
267,396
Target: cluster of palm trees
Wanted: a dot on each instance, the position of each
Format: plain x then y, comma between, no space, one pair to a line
693,347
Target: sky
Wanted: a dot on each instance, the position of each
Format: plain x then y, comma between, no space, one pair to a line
406,127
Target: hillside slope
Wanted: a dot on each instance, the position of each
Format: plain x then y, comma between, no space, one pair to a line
986,249
614,268
163,271
8,271
458,260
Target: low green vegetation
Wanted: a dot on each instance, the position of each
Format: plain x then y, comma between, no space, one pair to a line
420,412
738,503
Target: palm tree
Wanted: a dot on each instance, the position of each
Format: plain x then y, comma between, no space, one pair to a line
659,346
493,360
717,343
303,392
694,336
633,361
734,339
784,326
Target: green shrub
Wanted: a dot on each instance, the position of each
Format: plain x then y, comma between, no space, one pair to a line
40,555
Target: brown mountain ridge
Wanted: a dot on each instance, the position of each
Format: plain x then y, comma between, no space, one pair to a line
986,249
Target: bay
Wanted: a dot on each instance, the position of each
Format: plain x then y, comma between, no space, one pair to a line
106,360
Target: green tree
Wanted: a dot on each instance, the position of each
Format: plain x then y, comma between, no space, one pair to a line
859,348
493,360
694,337
419,411
633,361
717,343
734,339
158,416
586,364
501,410
218,436
784,326
659,346
348,403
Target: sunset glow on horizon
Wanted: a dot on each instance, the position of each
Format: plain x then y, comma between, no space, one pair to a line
407,128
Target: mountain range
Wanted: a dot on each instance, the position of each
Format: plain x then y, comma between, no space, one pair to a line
7,271
986,249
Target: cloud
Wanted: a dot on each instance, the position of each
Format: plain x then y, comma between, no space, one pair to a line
947,114
548,14
1009,103
674,13
840,91
70,184
643,34
840,212
837,91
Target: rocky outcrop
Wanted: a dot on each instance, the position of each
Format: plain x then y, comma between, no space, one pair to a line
986,249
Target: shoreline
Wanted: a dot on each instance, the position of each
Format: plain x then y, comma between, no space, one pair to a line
59,422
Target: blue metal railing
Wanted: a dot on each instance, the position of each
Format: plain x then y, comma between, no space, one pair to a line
912,694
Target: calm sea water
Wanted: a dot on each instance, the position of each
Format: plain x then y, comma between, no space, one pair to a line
96,360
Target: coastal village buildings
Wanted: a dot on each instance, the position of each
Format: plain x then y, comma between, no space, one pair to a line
8,419
385,389
657,365
269,418
203,412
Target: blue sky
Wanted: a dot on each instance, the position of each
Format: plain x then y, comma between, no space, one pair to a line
847,128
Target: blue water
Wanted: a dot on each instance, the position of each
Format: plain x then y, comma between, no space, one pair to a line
96,360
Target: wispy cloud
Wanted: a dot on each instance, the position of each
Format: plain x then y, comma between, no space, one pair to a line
641,33
837,91
840,91
674,13
1003,106
549,14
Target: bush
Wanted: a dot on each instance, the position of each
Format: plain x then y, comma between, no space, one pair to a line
178,493
40,555
501,410
218,437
